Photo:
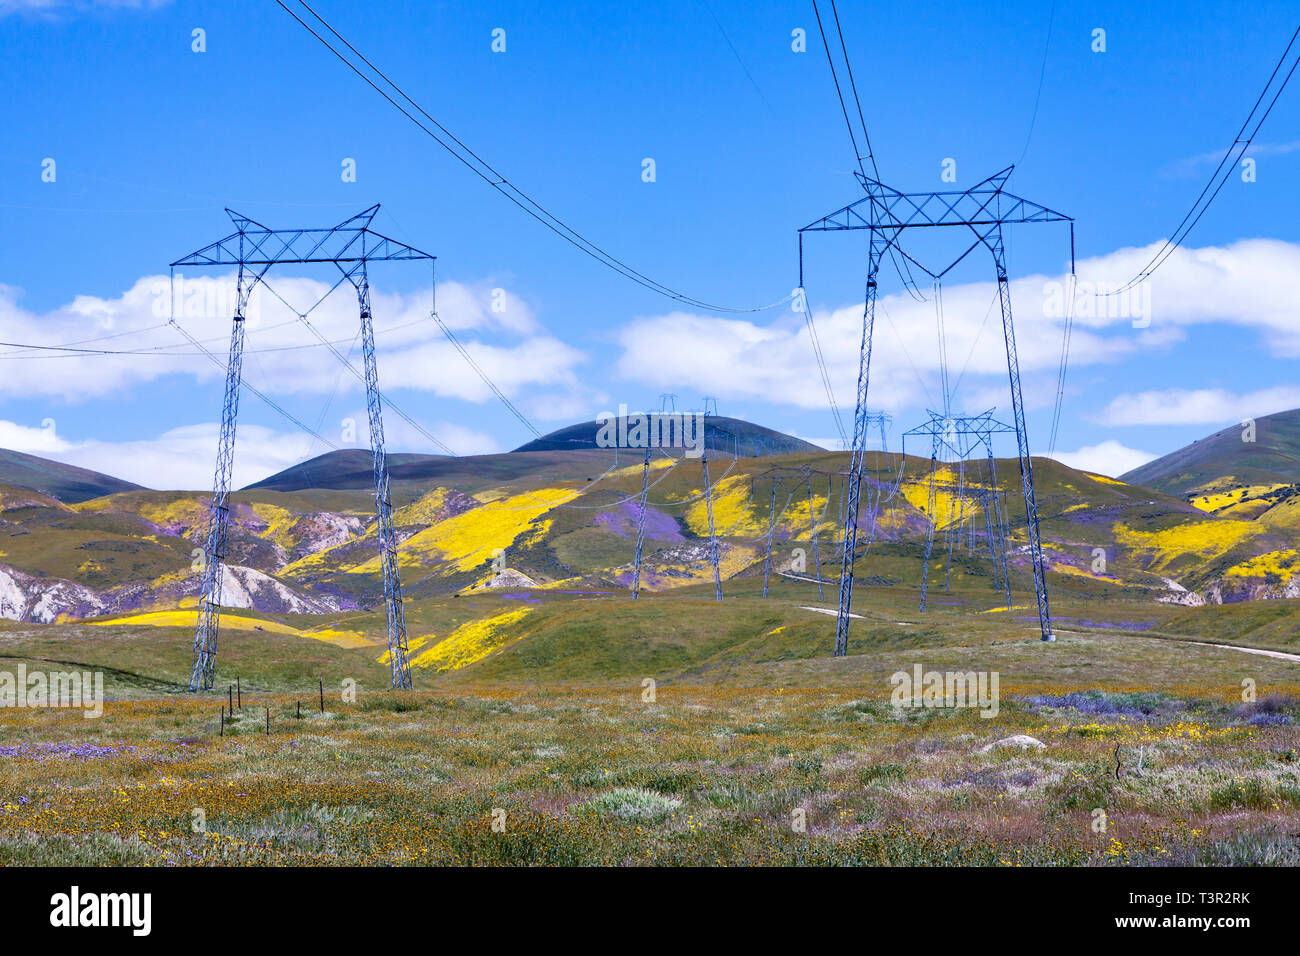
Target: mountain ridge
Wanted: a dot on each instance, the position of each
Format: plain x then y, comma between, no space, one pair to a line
1271,458
67,483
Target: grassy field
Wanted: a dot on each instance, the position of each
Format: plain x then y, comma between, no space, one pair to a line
756,746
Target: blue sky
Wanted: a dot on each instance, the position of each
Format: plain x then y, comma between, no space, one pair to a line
151,141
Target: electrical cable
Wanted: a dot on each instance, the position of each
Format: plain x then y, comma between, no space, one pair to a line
499,182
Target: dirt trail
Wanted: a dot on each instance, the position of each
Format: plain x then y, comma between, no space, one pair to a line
1280,655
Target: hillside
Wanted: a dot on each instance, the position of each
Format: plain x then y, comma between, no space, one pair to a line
562,525
722,434
66,483
350,470
1224,460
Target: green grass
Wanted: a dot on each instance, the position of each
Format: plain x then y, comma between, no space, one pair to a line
752,728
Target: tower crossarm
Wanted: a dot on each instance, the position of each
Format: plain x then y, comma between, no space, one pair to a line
350,241
885,209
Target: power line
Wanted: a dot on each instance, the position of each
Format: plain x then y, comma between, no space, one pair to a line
909,283
839,92
848,66
510,406
302,317
1042,72
825,373
269,402
1234,153
1065,361
499,182
386,399
165,351
736,54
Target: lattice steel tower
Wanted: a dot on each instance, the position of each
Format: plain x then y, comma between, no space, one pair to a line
885,214
253,249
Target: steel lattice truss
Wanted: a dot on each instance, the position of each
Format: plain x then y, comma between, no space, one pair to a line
640,524
253,244
793,480
254,248
955,439
885,214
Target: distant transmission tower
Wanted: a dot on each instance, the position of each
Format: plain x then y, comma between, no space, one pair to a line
254,249
954,440
794,480
640,524
713,534
885,213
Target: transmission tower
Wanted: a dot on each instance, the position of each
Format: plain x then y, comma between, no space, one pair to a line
954,440
885,213
254,248
882,420
640,524
794,480
713,534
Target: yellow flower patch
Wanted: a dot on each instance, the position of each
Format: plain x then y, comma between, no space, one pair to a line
424,510
471,642
732,510
1282,563
469,540
190,619
278,522
1216,500
1204,538
949,507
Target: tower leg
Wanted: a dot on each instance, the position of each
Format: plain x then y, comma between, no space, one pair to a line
839,545
1000,528
771,526
640,525
203,671
955,534
1022,443
859,448
713,538
929,531
986,504
398,652
812,528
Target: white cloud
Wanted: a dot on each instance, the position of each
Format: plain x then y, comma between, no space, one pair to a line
282,355
183,458
1107,458
836,443
1202,406
33,441
1203,162
1253,283
568,407
400,436
743,360
51,6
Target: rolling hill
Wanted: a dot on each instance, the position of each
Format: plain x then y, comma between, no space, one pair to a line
1219,527
564,523
350,470
1224,460
722,434
66,483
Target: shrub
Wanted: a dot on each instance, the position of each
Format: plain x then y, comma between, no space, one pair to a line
633,803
